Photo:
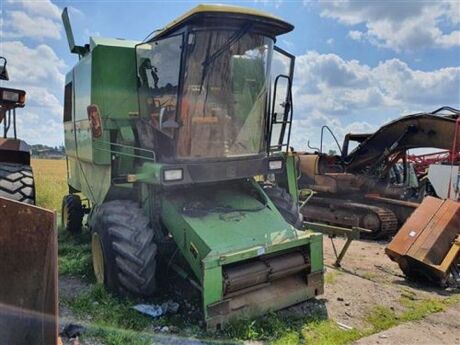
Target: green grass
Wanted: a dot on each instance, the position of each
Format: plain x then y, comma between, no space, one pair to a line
327,332
114,336
382,318
330,278
75,255
270,327
107,311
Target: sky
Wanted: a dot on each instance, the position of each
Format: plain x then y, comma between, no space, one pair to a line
359,64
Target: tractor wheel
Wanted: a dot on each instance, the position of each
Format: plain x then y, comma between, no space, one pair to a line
72,213
288,208
17,182
123,250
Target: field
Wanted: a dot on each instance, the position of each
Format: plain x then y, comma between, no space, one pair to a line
50,179
341,316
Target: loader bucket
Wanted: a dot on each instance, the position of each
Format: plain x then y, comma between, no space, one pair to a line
28,271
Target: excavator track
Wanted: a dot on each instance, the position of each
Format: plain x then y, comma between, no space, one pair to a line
381,221
389,222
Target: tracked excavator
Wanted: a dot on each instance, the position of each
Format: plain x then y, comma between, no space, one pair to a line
373,186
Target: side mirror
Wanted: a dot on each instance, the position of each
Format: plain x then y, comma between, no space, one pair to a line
3,70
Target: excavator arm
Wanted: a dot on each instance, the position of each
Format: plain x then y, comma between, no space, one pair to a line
431,130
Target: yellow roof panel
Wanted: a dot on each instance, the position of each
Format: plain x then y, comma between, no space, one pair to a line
227,9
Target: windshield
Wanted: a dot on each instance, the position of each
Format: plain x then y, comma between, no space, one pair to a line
224,95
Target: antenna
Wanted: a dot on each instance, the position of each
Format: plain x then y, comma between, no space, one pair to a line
80,50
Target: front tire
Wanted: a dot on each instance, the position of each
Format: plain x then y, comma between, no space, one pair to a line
72,213
17,182
283,201
123,241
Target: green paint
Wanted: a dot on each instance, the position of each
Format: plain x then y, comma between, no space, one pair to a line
291,172
208,237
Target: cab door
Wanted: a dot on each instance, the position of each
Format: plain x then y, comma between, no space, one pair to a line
281,100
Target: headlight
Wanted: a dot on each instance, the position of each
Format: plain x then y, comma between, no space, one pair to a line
275,165
173,175
10,96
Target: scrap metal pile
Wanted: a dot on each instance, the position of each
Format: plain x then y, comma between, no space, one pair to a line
375,186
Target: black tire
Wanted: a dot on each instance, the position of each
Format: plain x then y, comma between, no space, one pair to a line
72,213
288,208
128,249
17,182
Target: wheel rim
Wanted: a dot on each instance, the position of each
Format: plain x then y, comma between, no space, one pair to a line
98,258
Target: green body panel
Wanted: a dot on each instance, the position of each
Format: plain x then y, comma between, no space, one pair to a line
211,240
107,78
291,173
92,180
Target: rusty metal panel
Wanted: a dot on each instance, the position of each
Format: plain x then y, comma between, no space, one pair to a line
28,271
414,226
426,245
436,239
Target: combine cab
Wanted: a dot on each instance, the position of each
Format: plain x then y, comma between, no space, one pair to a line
166,151
16,178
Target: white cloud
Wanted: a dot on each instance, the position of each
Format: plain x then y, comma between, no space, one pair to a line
42,8
32,19
401,25
20,24
350,96
37,66
356,35
40,72
330,41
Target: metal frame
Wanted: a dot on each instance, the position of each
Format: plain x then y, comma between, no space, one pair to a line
7,122
287,118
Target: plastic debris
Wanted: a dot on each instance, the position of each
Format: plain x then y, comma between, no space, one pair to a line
155,310
343,326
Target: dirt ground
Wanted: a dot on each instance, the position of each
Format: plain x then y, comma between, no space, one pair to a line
438,328
366,279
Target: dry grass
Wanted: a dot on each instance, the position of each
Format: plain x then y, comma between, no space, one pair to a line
50,182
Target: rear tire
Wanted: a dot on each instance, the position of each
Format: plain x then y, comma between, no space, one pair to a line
123,239
17,182
72,213
283,201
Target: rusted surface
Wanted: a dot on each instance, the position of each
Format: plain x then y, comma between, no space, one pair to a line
427,238
9,144
28,271
262,271
412,131
277,295
381,222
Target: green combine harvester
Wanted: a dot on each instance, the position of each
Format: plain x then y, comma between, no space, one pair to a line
183,140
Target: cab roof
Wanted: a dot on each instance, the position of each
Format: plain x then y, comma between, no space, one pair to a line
207,12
